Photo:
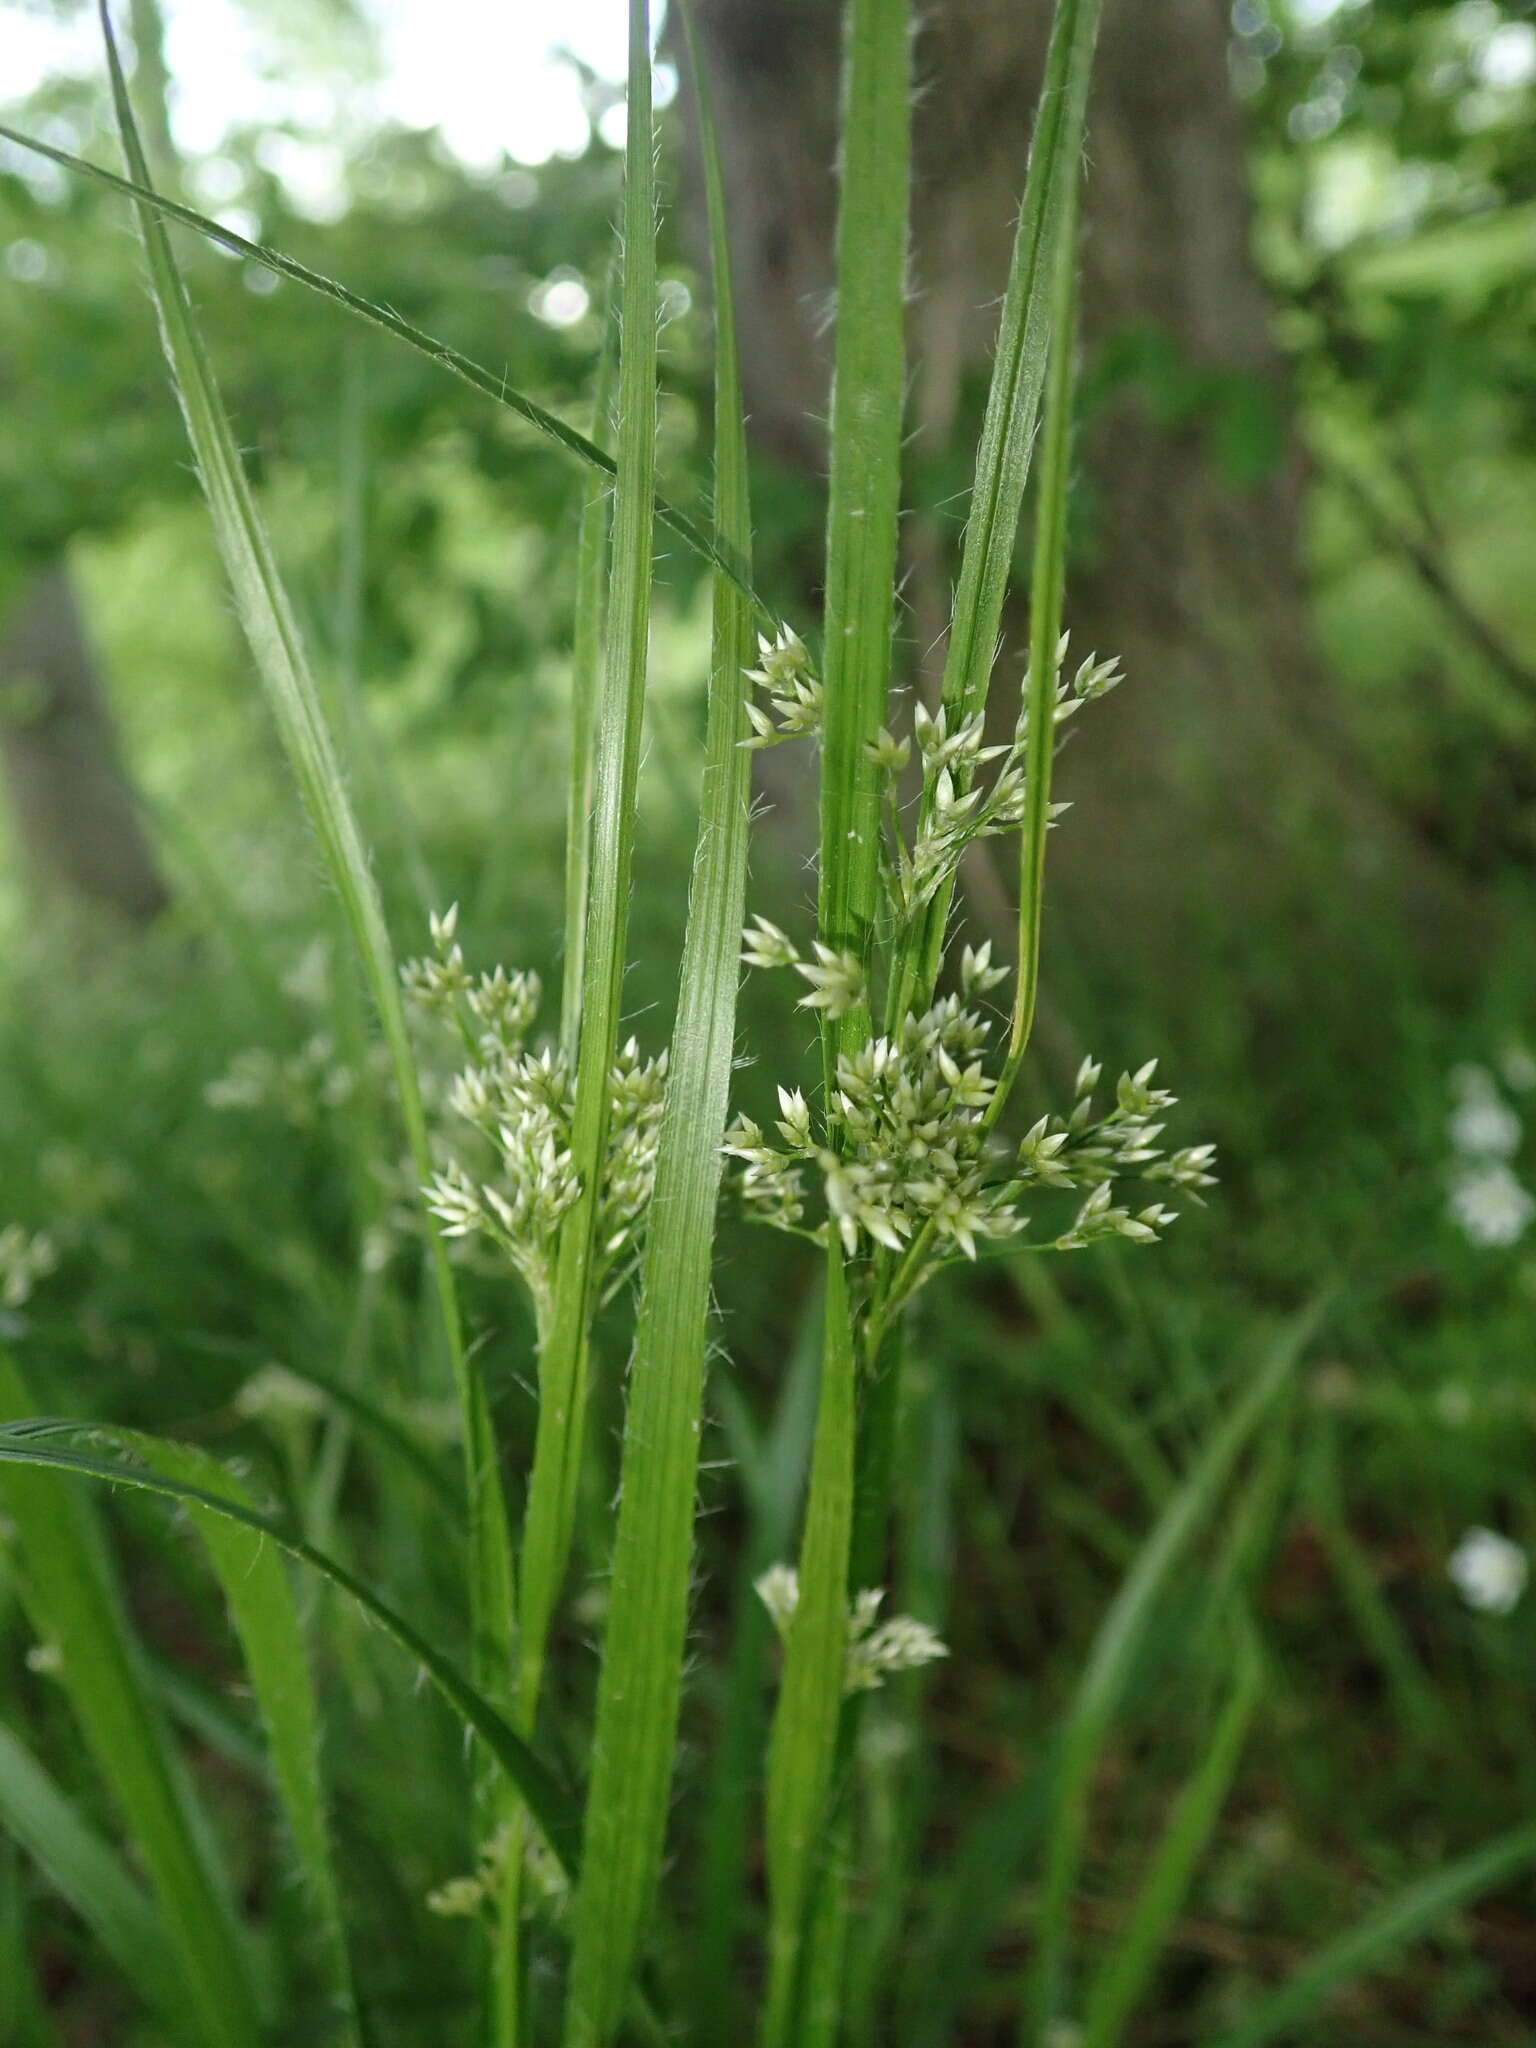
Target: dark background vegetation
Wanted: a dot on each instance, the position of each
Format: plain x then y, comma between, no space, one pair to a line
1299,868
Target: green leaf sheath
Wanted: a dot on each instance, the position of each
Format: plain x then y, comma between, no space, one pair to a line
644,1651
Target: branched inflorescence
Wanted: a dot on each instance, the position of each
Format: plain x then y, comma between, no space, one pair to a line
875,1649
903,1160
517,1184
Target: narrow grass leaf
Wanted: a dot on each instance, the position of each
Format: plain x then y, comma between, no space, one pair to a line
88,1874
864,495
74,1599
1381,1935
266,1620
47,1442
1115,1647
1047,590
1113,1997
1018,380
563,1364
488,383
283,668
586,675
643,1655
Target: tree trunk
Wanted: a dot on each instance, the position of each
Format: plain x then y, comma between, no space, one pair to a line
75,818
1187,782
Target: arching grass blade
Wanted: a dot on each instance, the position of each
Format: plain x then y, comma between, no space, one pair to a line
47,1442
1103,1681
1113,1997
1380,1936
488,383
74,1599
266,1619
283,667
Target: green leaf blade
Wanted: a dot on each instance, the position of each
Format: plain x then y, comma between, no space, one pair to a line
74,1597
266,1620
91,1878
46,1442
640,1684
283,668
563,1363
868,396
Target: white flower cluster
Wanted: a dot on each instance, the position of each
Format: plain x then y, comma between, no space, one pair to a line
466,1897
522,1103
276,1395
794,691
875,1649
956,810
1489,1571
1488,1200
836,979
25,1258
907,1158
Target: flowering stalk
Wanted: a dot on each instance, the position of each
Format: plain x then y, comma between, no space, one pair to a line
868,386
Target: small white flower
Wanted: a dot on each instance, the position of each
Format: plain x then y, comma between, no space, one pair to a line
837,981
889,754
274,1394
764,945
1491,1205
977,974
779,1590
1489,1571
900,1644
24,1260
459,1899
1483,1126
442,927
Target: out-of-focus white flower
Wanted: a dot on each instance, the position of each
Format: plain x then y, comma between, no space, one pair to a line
25,1258
274,1394
1491,1205
1489,1571
1483,1126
